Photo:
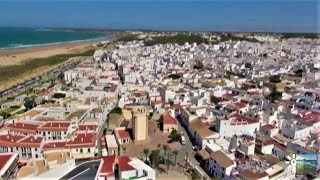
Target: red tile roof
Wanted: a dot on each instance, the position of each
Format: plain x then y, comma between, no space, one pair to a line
82,140
30,141
107,166
228,96
54,126
267,126
169,120
310,117
23,127
54,145
240,105
123,134
89,127
113,88
124,163
9,140
4,158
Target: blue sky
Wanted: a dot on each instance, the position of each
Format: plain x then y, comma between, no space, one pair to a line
206,15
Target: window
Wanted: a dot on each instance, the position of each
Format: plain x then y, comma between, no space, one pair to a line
89,150
81,151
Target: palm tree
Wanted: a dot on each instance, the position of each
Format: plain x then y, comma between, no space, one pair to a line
166,156
165,149
175,153
168,161
146,152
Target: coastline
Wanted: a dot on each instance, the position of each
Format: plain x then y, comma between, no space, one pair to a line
13,56
49,44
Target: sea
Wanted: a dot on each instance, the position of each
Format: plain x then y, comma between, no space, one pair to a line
11,38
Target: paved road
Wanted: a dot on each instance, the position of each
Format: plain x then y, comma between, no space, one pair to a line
187,148
85,171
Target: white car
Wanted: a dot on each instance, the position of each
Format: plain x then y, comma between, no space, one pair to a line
183,140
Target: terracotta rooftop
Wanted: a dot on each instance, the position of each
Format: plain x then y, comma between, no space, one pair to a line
85,127
240,105
30,141
54,126
252,174
169,120
113,88
123,134
54,145
107,166
23,127
82,140
9,140
4,158
267,126
222,159
124,163
310,117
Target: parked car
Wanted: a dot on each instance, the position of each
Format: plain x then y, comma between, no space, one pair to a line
183,140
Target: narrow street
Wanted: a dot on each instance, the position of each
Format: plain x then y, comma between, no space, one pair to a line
188,149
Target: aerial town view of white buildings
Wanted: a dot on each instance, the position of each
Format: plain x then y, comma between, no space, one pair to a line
238,108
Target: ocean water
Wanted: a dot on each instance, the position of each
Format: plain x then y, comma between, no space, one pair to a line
26,37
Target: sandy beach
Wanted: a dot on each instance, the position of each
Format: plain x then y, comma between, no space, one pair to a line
16,56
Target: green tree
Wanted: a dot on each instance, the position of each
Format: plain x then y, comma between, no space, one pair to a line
168,160
195,175
146,152
116,110
299,72
275,79
174,136
61,76
198,65
59,95
155,157
5,115
165,150
174,76
160,123
275,94
29,103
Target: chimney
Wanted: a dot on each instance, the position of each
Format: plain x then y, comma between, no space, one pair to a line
11,140
81,139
